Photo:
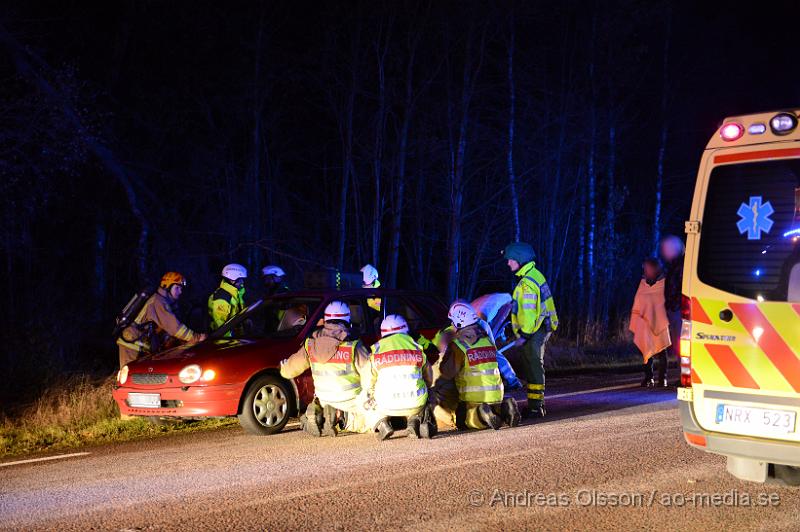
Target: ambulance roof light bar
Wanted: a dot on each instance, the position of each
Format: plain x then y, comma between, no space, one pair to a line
783,123
731,131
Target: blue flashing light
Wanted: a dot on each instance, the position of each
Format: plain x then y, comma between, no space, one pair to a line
757,273
793,232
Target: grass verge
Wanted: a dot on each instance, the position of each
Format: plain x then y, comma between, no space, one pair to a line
78,412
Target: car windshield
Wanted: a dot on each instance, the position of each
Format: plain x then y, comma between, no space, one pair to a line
279,317
750,235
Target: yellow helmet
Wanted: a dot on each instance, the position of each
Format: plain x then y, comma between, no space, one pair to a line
171,278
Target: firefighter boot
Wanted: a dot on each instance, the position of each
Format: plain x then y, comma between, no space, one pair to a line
461,416
428,428
413,426
488,417
330,425
383,430
509,412
313,420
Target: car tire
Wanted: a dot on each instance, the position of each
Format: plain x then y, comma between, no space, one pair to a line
267,405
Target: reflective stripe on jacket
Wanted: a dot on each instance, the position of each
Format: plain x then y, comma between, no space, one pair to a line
224,303
398,363
479,379
156,311
533,302
336,379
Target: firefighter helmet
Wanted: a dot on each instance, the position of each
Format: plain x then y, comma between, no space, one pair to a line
519,251
370,275
234,272
337,310
277,271
171,278
462,314
392,324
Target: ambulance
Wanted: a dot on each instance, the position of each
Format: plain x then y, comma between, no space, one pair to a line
740,337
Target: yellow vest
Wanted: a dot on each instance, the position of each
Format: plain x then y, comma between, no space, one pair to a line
399,361
479,380
336,379
533,302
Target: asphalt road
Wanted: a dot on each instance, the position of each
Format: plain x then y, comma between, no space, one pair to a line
604,460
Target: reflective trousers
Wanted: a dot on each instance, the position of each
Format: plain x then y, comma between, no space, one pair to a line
533,366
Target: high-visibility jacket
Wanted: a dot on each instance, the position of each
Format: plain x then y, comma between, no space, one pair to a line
398,364
479,380
533,302
375,302
224,303
156,313
336,380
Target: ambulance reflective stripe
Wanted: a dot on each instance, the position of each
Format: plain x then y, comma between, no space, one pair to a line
400,386
751,351
336,379
479,380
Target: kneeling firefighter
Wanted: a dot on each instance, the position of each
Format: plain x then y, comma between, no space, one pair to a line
337,362
471,360
156,322
400,380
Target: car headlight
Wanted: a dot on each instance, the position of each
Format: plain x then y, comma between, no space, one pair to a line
122,375
209,375
190,374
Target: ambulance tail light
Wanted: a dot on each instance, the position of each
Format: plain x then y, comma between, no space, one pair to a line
783,123
686,341
731,131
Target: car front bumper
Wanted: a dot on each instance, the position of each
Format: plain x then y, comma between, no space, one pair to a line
187,401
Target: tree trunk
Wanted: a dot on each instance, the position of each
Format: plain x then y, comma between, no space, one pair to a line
662,144
512,180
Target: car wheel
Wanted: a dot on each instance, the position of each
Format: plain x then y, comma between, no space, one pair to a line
266,406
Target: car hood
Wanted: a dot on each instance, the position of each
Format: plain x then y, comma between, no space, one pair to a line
215,351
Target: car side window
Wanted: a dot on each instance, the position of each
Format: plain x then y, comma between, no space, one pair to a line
398,305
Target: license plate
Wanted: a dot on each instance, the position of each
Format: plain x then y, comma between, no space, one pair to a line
758,421
144,400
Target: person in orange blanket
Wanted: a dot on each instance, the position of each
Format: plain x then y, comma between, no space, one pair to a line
649,322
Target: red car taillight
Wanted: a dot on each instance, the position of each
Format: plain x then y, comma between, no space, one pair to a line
686,341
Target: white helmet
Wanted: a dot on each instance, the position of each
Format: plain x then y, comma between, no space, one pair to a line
277,271
337,310
370,275
234,272
392,324
461,314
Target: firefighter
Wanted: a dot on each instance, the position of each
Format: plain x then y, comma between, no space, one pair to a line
227,300
156,322
337,360
369,279
471,360
533,319
274,280
399,384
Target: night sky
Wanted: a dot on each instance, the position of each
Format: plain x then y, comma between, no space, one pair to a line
140,137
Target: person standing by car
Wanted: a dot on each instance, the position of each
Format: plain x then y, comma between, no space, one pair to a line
337,361
274,280
649,323
228,300
156,323
470,360
369,279
672,253
400,380
533,319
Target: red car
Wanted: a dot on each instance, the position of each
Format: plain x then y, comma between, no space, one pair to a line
239,375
